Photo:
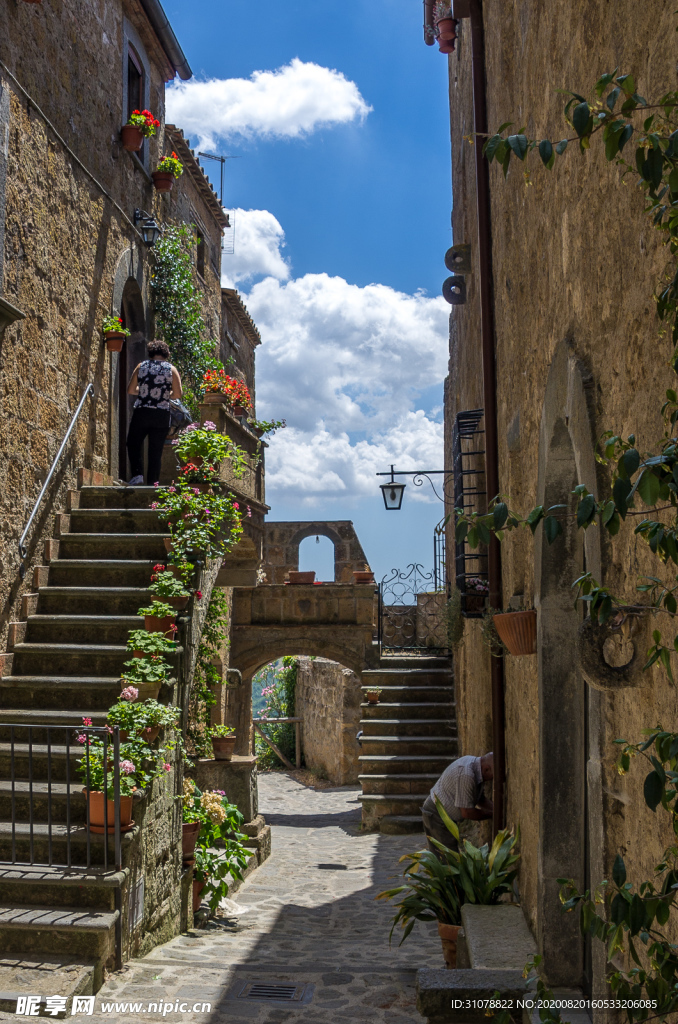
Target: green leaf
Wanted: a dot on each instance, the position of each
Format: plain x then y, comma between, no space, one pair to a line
619,871
636,915
561,147
534,517
500,514
631,460
653,790
490,147
628,84
663,912
484,534
608,512
625,135
580,118
673,180
552,528
460,532
586,510
612,97
618,909
648,488
518,144
620,494
546,153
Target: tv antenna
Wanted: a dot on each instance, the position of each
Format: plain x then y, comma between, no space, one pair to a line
222,160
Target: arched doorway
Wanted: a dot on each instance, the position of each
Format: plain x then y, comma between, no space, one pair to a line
569,796
133,351
317,554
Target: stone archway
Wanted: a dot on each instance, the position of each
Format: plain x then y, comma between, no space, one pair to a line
127,302
570,797
282,540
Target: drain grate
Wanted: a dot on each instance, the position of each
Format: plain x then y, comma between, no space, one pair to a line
275,991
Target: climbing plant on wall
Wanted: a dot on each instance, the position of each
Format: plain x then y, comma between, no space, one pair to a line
207,675
178,311
629,918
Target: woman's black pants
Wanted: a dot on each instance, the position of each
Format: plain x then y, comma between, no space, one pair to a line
153,424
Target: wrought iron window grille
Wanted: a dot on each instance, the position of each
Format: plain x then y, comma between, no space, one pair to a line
470,494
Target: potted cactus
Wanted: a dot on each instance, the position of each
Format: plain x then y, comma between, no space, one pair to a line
114,333
141,125
169,168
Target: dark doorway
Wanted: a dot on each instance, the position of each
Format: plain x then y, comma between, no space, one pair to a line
133,351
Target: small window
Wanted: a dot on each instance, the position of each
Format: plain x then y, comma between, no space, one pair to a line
135,82
200,258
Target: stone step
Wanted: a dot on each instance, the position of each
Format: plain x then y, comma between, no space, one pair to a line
386,764
69,659
59,693
47,975
116,497
59,846
409,782
117,520
44,929
59,886
407,677
81,629
415,694
401,824
117,572
379,804
409,709
66,799
405,745
18,718
389,661
38,760
108,546
407,727
92,600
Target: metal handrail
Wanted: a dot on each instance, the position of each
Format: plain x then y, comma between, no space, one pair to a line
23,551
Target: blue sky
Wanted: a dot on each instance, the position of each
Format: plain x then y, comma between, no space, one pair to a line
342,196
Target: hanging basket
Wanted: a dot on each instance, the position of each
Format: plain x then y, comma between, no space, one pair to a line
163,181
114,340
132,138
518,630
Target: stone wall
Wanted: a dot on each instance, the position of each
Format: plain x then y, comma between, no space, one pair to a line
281,548
575,264
328,700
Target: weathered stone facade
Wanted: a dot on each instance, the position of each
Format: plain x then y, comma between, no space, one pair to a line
575,263
328,698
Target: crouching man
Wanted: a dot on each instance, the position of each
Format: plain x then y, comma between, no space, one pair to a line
460,790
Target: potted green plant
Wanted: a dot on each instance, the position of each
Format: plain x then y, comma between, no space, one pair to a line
518,630
373,693
204,445
144,720
140,125
218,386
158,616
437,885
91,771
169,168
168,589
201,525
476,590
223,741
114,333
144,644
143,677
446,26
219,850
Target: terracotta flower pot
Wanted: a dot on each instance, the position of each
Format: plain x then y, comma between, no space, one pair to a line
97,824
448,936
190,830
214,398
163,181
114,340
147,691
174,569
446,45
518,630
197,894
150,733
301,577
132,138
372,698
360,576
223,747
177,602
152,624
446,28
167,541
196,460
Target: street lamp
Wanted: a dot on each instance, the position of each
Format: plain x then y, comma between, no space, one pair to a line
150,231
392,492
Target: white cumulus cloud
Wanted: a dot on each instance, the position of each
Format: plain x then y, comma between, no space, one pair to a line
290,102
259,238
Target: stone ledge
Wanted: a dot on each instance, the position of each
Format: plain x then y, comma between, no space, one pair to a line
443,996
497,937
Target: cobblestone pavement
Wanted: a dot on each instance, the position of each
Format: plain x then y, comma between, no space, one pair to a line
313,920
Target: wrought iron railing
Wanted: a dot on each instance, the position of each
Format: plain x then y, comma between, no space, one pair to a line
49,820
470,494
412,612
23,551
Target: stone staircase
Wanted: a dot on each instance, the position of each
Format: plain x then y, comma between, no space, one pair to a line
64,662
409,738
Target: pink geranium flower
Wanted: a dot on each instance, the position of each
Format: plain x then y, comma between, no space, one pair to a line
130,693
127,767
167,767
82,738
87,721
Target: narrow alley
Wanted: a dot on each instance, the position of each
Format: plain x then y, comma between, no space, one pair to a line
311,921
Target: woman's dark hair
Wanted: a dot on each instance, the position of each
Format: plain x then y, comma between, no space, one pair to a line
158,348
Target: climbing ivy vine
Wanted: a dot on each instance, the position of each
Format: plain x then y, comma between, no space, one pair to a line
207,676
178,311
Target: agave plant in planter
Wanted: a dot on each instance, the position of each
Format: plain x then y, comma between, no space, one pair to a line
141,125
114,333
166,588
223,741
169,168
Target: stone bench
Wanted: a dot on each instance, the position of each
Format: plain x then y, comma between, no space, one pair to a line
492,952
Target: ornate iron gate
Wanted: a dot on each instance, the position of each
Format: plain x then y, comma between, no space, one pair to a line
413,612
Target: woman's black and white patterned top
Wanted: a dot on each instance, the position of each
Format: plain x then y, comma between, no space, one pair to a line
155,384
